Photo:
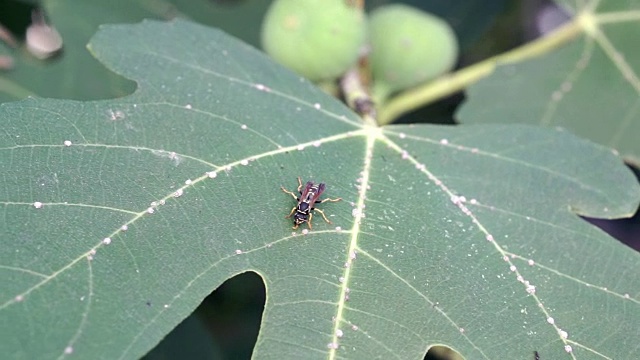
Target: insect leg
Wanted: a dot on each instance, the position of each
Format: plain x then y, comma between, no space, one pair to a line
309,221
323,216
291,213
290,193
299,185
325,200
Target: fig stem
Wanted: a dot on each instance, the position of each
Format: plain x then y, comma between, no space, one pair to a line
357,97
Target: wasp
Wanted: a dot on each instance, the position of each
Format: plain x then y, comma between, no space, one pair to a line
306,202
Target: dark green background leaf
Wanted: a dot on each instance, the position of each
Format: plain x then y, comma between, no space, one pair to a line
591,87
464,236
75,74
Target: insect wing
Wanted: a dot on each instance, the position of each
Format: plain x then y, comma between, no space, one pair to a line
319,192
305,192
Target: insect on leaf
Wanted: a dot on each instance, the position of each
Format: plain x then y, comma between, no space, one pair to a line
121,215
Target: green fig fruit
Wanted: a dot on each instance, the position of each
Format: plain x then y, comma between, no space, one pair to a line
408,47
319,39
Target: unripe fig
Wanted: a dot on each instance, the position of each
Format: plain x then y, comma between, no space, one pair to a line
408,47
319,39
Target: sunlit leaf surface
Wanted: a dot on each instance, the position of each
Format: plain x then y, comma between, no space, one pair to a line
120,216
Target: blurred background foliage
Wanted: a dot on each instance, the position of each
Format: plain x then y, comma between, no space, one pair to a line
226,324
75,74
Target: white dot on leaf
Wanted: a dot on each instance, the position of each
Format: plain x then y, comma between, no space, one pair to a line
116,115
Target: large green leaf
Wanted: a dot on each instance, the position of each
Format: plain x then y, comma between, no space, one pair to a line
591,87
120,216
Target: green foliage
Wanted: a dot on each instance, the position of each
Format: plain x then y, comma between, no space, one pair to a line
590,86
78,75
121,215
